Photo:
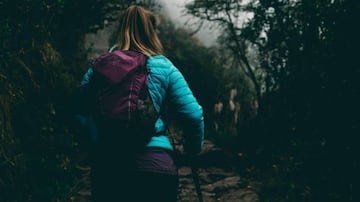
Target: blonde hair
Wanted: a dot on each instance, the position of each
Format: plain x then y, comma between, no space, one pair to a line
138,31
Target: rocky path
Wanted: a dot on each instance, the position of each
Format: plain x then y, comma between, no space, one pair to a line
218,178
216,185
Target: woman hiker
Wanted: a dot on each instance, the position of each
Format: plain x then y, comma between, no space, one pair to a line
119,171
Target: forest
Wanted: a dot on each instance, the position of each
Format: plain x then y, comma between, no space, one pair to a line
280,91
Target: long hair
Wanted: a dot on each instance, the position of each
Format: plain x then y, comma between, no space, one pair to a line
138,31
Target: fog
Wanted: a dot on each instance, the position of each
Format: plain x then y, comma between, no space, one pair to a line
175,10
98,42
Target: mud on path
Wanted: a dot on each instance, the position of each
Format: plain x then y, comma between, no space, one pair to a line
218,178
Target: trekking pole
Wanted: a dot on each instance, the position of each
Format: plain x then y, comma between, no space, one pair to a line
195,175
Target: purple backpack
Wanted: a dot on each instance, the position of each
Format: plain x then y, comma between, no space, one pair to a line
121,96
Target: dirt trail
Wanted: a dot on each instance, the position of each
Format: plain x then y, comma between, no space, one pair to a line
216,185
218,178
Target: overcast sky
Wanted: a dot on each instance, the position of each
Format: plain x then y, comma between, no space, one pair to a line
175,8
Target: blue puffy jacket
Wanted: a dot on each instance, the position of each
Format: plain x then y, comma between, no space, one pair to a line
166,81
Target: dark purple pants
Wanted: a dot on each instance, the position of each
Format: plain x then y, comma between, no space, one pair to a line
148,176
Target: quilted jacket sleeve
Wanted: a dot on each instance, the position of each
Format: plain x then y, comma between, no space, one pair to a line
81,105
188,111
87,76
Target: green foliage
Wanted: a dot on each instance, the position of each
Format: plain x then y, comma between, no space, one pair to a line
315,99
309,109
230,17
41,62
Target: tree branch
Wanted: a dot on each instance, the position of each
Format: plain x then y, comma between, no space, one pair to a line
241,52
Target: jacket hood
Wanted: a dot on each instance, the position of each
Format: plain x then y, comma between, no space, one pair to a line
117,65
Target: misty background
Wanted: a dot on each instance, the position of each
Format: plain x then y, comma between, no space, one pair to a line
175,11
278,81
